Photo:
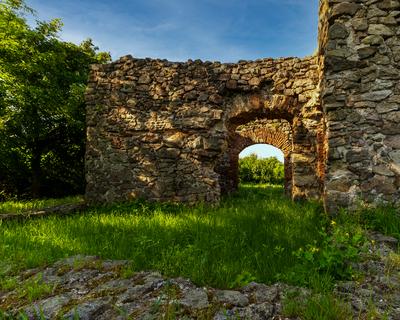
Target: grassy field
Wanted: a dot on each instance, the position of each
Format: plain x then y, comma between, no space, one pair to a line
256,234
249,236
23,206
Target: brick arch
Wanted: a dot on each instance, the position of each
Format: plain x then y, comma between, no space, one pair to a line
274,136
277,133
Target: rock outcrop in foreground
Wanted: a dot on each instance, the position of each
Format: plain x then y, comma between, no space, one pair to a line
86,287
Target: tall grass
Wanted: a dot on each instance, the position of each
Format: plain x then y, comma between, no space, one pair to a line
250,236
385,219
23,206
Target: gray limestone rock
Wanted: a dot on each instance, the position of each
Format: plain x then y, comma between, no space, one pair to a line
338,31
195,299
345,8
89,310
47,308
380,30
376,95
374,40
261,292
230,297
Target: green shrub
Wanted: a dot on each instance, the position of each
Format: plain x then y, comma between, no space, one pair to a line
331,256
255,170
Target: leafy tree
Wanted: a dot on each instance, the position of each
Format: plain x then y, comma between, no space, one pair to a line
254,170
42,119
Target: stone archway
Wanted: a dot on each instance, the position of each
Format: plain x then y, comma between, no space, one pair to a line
277,133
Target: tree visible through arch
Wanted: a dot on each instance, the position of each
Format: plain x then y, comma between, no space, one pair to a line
261,164
277,133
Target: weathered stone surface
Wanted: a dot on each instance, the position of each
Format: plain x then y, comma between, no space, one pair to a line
338,31
389,4
88,310
50,307
392,142
373,40
261,292
256,312
195,298
366,52
362,158
168,131
380,30
231,298
144,79
376,95
254,81
360,24
155,148
345,8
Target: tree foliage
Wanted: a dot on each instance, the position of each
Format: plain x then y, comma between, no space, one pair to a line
42,118
255,170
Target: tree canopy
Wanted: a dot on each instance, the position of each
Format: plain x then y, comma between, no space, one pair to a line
255,170
42,118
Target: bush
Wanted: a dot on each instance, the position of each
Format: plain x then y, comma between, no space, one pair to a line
255,170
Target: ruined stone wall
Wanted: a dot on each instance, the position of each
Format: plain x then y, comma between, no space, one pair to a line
162,131
360,61
169,131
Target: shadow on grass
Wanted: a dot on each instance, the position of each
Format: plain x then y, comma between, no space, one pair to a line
252,233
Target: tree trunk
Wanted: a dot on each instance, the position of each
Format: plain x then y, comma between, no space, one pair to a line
36,174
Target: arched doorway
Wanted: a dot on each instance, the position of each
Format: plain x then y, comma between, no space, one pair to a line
287,122
275,133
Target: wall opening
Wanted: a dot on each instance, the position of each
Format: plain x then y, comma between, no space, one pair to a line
261,164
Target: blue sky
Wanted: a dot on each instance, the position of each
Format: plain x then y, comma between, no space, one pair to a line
263,151
178,30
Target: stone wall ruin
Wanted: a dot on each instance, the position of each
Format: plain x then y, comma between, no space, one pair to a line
169,131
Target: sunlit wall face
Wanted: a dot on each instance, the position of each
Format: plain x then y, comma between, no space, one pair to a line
263,151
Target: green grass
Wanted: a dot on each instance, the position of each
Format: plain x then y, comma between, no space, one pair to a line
23,206
34,288
256,234
316,307
385,219
250,236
